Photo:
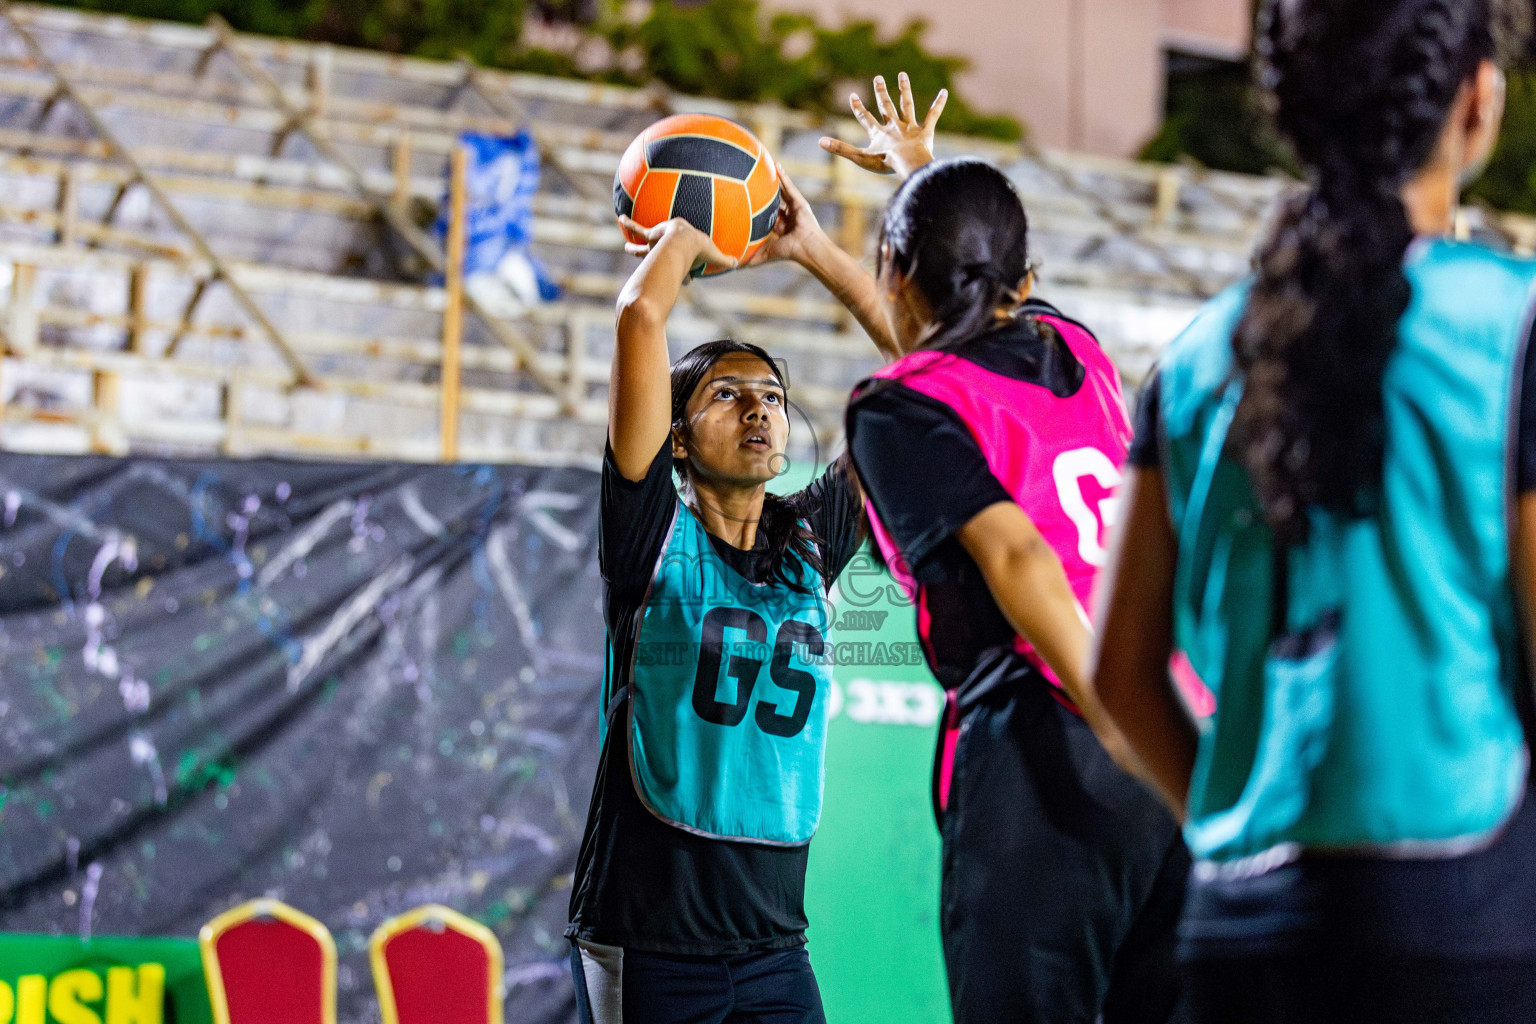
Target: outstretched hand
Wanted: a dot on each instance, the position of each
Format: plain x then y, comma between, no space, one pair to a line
900,145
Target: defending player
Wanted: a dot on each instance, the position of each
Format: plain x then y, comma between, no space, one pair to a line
988,455
1332,510
689,889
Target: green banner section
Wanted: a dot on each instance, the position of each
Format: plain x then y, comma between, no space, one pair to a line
872,894
53,980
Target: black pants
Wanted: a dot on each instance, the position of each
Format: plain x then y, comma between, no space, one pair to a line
1362,990
632,987
1063,877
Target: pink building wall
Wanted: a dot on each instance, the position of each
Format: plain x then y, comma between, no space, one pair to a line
1216,27
1083,74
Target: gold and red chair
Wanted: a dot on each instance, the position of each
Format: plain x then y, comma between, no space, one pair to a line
267,963
433,965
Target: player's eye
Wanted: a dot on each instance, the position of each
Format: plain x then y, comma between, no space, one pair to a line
771,398
725,394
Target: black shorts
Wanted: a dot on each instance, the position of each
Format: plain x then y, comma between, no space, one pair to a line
1328,989
1370,938
618,986
1063,877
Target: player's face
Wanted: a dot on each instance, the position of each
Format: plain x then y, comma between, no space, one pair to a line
737,424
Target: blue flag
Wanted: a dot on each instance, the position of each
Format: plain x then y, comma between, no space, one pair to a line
502,176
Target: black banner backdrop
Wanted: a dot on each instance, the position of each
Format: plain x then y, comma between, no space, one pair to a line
357,688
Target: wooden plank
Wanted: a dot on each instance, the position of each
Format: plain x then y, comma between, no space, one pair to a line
106,389
373,350
232,410
486,401
21,314
69,203
318,80
138,297
1166,205
91,232
256,439
400,163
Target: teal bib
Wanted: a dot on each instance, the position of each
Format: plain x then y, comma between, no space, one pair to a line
729,700
1382,714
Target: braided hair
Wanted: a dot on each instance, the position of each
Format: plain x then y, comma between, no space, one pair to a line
1362,91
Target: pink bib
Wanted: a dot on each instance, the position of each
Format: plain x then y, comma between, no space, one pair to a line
1059,458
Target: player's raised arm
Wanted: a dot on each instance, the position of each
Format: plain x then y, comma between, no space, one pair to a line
901,143
640,390
798,236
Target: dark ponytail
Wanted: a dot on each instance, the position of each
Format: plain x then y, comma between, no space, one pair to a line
782,520
1362,91
957,230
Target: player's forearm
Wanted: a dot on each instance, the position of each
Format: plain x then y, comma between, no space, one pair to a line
1030,587
639,395
652,290
1129,671
854,287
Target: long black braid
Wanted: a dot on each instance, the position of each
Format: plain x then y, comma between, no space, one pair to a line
1362,91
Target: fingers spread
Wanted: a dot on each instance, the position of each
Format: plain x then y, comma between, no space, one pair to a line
908,106
862,115
865,159
938,108
837,147
883,99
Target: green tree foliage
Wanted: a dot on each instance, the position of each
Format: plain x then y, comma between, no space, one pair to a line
1509,183
729,49
297,18
1212,118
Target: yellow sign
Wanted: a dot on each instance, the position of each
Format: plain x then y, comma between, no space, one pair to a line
119,995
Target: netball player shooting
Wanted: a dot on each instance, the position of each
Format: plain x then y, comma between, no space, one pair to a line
988,454
1331,510
689,889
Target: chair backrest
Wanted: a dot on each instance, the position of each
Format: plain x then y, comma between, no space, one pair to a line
267,963
433,965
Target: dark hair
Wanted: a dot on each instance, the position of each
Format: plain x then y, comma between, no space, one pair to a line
783,518
1362,91
957,230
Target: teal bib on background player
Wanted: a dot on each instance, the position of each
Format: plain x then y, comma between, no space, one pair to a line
729,702
1383,714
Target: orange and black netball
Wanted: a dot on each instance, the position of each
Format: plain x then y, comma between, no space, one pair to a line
710,171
